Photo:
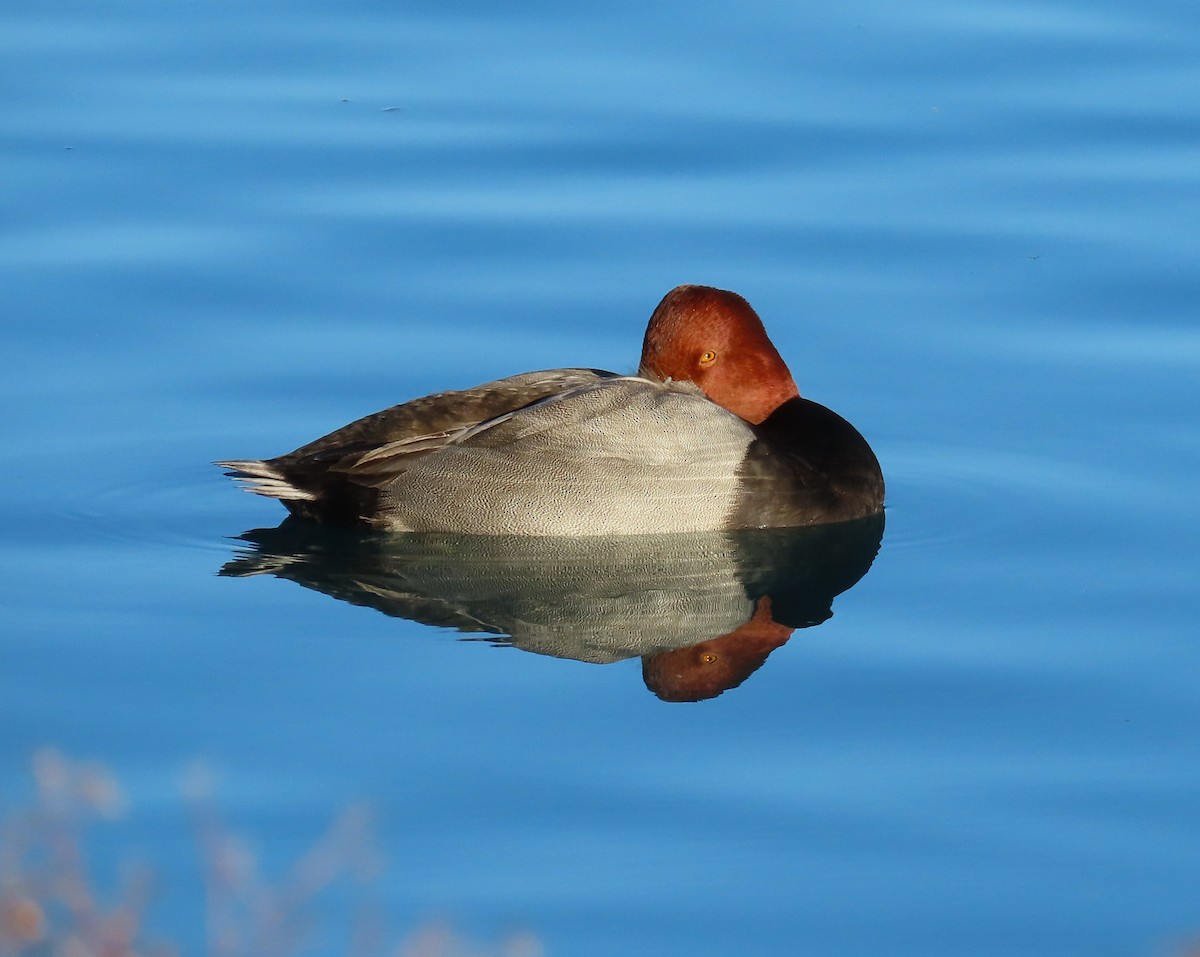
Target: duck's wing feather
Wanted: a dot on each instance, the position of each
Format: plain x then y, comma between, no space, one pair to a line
429,421
335,477
627,455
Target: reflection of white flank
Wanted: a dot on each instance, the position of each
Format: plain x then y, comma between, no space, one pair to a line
591,598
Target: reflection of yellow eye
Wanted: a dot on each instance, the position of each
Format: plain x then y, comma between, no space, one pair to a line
708,358
708,658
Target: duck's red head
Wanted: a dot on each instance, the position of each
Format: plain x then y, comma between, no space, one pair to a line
713,338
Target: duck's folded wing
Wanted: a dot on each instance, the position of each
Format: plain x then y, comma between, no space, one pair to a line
622,456
429,421
336,476
578,410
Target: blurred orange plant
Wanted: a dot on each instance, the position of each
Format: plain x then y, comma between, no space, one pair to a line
49,904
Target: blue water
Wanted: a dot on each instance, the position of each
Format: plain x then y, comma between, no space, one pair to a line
971,230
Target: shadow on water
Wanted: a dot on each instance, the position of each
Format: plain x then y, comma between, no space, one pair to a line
702,611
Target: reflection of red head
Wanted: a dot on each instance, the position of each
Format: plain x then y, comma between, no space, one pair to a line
705,670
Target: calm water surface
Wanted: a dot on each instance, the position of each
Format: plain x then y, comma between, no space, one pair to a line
970,228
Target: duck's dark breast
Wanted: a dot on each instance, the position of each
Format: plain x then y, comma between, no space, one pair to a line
806,466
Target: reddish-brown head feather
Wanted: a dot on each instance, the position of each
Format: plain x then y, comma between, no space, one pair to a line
713,338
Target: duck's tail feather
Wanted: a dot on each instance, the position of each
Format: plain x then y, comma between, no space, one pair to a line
263,478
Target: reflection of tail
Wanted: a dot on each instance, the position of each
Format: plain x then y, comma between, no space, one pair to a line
255,564
263,478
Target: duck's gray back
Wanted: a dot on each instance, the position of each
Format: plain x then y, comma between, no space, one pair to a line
623,456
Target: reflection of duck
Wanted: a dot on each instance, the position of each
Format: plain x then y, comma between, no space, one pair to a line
703,610
712,434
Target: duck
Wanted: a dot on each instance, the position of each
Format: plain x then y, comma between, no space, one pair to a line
710,434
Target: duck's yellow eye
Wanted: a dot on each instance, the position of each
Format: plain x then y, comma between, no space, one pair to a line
708,358
708,657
